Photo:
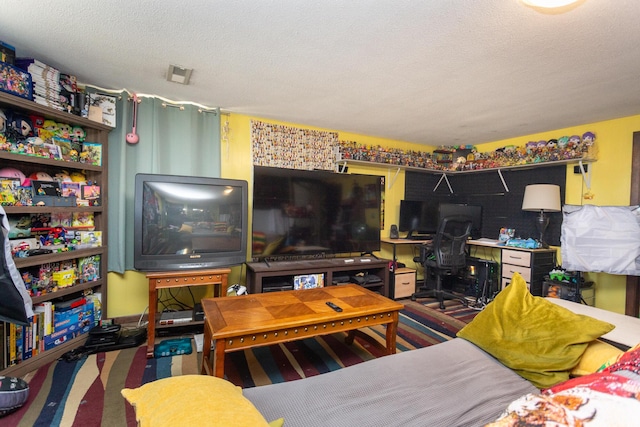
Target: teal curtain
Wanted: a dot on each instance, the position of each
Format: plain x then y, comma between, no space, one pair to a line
175,141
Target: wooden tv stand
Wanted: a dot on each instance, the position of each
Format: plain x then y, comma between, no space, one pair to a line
278,275
177,279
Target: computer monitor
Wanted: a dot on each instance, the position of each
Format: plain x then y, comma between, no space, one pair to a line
474,212
418,218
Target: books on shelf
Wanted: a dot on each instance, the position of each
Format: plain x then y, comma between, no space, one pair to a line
47,328
46,309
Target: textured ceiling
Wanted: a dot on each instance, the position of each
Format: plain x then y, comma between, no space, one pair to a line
433,71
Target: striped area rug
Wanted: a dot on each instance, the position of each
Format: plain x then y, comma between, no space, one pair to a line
86,392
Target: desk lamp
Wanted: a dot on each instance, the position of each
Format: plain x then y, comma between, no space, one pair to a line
541,197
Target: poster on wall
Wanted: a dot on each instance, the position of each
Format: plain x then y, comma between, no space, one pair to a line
291,147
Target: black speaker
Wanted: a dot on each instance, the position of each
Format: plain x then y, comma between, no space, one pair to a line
393,233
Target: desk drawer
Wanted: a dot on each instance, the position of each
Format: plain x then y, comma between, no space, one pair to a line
508,270
507,281
404,283
516,257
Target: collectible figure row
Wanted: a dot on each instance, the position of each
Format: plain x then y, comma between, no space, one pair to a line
67,189
36,136
59,232
563,148
51,277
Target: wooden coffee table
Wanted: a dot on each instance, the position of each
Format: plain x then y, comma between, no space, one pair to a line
241,322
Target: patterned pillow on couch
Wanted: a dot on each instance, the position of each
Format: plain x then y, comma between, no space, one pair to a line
607,398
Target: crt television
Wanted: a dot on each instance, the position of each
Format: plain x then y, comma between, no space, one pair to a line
304,213
418,218
474,212
189,222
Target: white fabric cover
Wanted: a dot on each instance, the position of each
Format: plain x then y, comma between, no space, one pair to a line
601,239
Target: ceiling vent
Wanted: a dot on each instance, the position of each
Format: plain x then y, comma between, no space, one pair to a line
178,74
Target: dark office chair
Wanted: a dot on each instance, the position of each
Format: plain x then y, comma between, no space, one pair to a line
445,256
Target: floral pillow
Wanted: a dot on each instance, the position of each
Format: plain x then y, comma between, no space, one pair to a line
607,398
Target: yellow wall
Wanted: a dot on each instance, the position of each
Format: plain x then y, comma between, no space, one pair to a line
610,184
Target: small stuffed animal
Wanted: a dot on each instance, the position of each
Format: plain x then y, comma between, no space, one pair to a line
77,176
40,176
62,176
77,134
64,130
13,173
21,127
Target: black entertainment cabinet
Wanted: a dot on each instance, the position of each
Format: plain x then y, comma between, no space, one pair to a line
278,275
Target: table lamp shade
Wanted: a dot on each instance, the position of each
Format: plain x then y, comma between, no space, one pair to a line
541,197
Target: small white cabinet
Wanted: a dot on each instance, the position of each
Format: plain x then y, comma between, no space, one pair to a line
404,283
532,264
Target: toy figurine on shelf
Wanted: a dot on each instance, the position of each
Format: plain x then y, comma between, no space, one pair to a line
563,141
48,130
20,127
56,236
73,155
589,146
64,130
77,135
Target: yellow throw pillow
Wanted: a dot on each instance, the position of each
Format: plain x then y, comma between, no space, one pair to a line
595,356
194,400
539,340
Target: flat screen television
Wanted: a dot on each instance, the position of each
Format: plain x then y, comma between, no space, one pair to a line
188,222
418,218
474,212
302,213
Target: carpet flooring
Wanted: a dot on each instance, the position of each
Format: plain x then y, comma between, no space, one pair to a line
86,392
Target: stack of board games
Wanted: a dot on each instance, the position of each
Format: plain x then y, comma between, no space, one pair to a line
45,80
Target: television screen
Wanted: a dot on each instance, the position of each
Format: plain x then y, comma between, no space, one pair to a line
472,211
189,222
301,213
418,217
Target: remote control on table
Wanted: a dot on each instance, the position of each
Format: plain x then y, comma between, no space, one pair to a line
335,307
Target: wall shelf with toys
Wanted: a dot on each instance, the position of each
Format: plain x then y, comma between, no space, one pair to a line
56,203
447,161
342,164
50,162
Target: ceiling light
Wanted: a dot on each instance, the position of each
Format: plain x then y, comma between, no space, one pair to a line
178,74
549,3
